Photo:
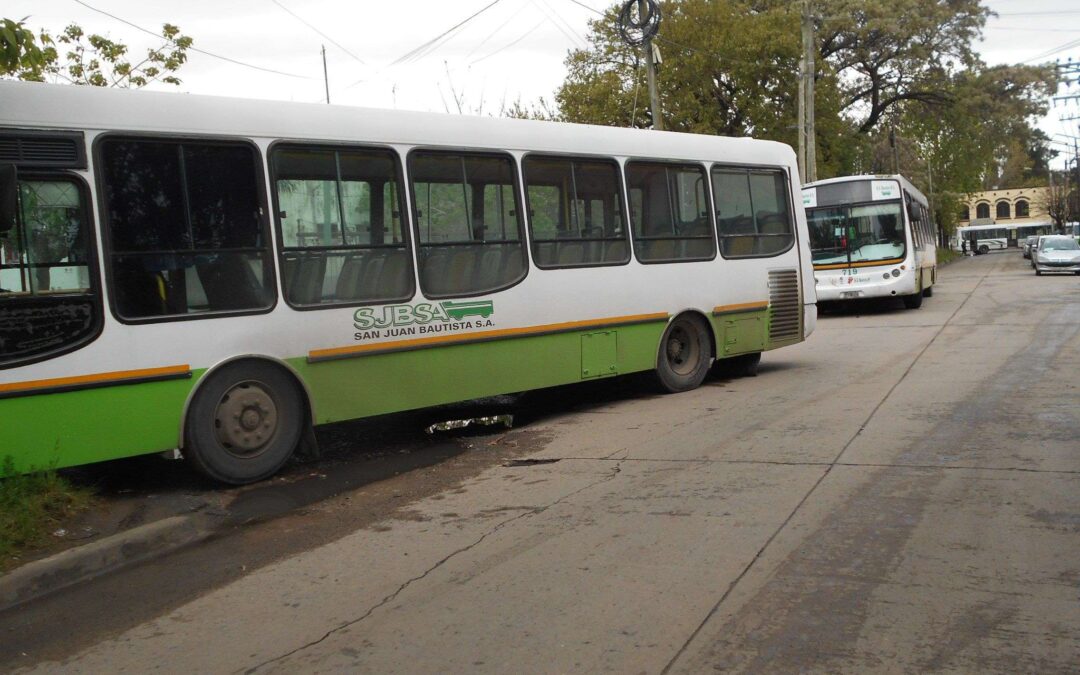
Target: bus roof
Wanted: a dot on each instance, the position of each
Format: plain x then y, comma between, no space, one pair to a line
48,106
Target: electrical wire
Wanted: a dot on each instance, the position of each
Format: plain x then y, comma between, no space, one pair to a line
420,51
509,45
328,38
193,49
636,32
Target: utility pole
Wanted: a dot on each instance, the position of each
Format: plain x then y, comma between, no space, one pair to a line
802,119
650,71
808,128
326,77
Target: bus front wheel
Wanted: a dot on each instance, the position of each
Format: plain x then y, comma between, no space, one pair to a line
984,249
244,423
685,354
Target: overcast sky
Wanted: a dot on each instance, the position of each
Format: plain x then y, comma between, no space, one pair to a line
513,50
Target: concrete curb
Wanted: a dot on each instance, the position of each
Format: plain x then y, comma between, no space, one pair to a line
106,555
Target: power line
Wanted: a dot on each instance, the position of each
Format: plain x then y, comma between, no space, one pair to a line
194,49
417,52
328,38
569,32
498,28
508,46
1060,48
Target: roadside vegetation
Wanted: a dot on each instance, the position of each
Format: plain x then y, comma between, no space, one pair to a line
32,507
946,255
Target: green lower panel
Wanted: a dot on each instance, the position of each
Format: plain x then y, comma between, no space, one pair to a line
92,425
383,383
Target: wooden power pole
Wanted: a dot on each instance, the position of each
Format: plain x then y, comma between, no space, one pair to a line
807,133
650,72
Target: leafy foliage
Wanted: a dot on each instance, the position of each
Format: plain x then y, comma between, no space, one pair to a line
905,69
19,50
75,57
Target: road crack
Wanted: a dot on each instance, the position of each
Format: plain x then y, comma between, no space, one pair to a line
615,471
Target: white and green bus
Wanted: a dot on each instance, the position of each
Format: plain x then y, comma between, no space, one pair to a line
871,237
217,276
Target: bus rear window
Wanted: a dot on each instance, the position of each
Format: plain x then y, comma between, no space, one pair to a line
185,230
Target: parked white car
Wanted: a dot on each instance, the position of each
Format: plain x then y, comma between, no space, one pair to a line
1056,253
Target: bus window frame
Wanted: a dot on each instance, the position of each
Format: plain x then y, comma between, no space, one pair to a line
406,220
96,294
711,204
516,179
271,282
623,204
792,217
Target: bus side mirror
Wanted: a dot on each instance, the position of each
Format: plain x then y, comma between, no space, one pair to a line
9,198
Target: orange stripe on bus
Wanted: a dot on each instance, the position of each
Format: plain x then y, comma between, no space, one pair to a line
872,263
741,307
115,376
484,335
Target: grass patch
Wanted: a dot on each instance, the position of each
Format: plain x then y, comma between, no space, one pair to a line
947,255
32,506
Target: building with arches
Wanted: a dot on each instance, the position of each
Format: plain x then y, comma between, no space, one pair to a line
1010,209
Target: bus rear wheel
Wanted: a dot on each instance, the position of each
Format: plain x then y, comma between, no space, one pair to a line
244,423
913,301
685,354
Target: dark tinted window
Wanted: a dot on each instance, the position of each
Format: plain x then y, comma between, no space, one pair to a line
339,210
753,216
184,227
467,219
669,209
1022,209
575,212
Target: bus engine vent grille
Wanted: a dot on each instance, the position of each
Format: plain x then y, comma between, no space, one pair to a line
58,150
784,314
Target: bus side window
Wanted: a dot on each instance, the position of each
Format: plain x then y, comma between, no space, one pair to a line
339,213
575,212
753,217
468,222
185,230
672,223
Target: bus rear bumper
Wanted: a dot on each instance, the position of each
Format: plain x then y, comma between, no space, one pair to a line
867,285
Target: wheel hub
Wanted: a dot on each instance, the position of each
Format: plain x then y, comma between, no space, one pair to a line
246,419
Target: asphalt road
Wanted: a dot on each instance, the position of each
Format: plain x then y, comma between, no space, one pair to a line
901,493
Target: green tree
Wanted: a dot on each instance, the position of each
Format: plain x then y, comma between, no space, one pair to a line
19,50
886,54
75,57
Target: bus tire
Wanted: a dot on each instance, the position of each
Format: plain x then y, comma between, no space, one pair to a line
928,292
913,301
244,423
743,365
984,249
685,354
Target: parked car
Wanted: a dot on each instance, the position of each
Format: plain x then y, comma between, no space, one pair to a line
1056,253
1028,243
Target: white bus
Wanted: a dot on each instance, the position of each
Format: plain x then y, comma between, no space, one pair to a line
996,237
871,237
219,275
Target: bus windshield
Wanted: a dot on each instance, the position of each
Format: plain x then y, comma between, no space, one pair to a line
858,233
